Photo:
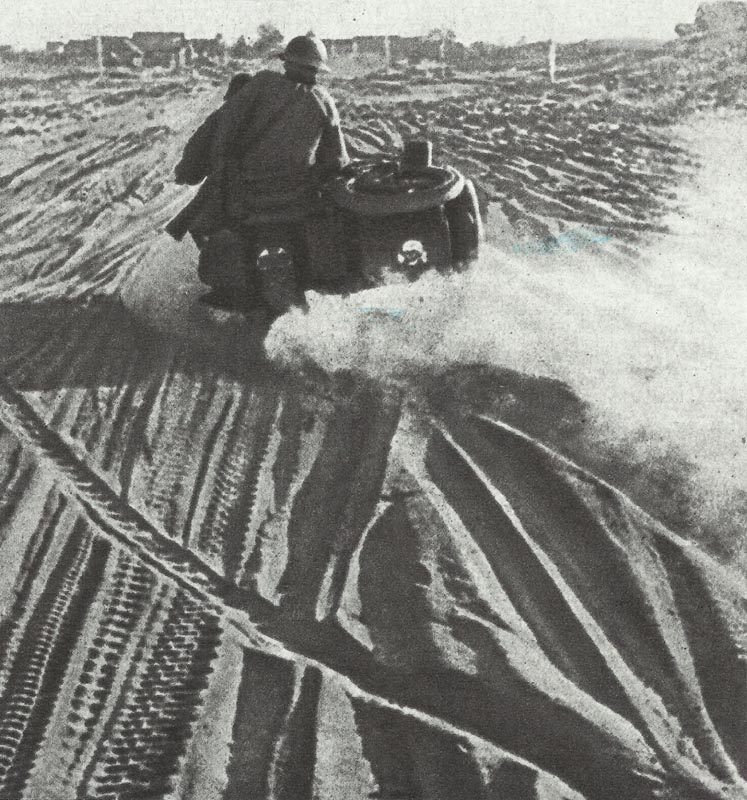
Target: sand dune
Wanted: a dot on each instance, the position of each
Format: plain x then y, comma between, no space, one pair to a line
229,577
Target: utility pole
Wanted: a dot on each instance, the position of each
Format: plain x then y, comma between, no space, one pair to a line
551,59
100,56
552,52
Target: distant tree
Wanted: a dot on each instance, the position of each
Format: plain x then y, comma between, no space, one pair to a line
269,38
441,35
482,54
479,49
241,49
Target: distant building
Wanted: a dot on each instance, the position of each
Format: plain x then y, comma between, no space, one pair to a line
416,49
80,51
207,51
120,51
371,45
161,49
340,47
403,48
116,51
144,49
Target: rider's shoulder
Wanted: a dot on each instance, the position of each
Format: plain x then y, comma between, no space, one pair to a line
267,76
259,84
262,78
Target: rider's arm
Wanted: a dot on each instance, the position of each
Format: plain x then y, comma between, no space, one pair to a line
195,161
332,155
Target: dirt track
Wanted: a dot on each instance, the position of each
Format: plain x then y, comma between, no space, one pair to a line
225,579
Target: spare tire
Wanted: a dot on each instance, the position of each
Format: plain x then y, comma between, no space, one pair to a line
384,189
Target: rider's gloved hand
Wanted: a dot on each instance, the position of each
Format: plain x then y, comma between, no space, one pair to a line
187,174
179,177
324,174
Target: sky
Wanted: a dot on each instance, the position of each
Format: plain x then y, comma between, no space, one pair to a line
33,22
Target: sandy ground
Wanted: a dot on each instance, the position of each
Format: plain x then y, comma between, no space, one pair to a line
369,557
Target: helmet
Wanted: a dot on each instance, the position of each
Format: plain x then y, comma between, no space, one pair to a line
307,51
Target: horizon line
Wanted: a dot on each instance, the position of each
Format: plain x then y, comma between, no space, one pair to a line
519,41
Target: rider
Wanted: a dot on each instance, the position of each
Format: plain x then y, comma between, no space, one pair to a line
275,140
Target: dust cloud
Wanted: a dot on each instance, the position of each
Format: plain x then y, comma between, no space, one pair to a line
657,347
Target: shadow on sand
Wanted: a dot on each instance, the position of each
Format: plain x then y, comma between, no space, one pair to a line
61,344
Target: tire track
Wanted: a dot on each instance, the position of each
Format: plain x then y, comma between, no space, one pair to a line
11,629
129,598
116,520
43,655
103,507
662,660
158,601
153,726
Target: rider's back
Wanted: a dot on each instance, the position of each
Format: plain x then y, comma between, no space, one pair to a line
270,136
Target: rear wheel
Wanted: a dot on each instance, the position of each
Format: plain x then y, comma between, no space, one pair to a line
465,225
280,265
278,280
